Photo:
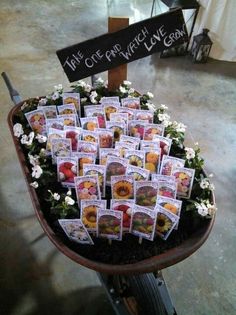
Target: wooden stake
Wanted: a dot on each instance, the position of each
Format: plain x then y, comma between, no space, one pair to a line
117,75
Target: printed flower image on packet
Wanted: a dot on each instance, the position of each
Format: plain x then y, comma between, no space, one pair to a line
88,212
152,160
146,115
131,102
110,107
53,134
50,111
122,187
67,170
164,143
105,152
55,123
115,166
136,128
98,112
153,129
89,123
135,157
37,121
67,109
118,128
87,187
126,206
72,98
84,158
146,193
166,222
184,178
61,148
170,204
169,163
69,120
166,189
100,171
105,138
138,173
73,133
87,147
90,136
109,224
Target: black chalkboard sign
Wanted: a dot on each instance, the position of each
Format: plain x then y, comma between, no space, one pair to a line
113,49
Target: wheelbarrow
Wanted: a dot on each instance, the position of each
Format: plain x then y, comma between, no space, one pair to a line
136,288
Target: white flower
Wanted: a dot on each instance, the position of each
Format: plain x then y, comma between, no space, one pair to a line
42,101
166,123
93,96
131,91
190,153
100,80
55,96
211,187
56,196
210,175
122,89
204,184
126,82
24,106
27,139
211,209
69,201
58,87
163,107
81,83
201,209
150,95
18,130
83,100
42,152
151,106
196,144
41,138
69,193
87,88
34,184
36,171
34,160
163,117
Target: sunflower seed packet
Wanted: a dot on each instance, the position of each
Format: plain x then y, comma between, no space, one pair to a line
118,128
89,123
84,158
87,187
105,137
152,159
67,170
184,178
146,144
109,224
126,206
130,140
73,98
131,102
138,173
135,157
123,146
73,133
88,213
166,189
53,134
60,148
122,187
98,112
110,107
100,171
115,166
168,163
55,123
136,128
87,147
153,129
164,143
166,222
143,222
163,178
69,120
90,136
50,111
146,193
126,110
170,204
67,109
76,231
146,115
105,152
37,121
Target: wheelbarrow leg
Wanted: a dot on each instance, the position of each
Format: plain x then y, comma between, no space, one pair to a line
15,96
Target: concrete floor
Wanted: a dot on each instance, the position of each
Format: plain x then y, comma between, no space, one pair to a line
35,278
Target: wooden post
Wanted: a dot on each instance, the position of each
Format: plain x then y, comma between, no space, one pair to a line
117,75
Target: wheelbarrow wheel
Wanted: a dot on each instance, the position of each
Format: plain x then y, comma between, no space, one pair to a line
140,294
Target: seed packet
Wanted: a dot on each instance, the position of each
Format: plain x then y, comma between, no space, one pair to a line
136,128
73,133
67,170
121,117
53,134
163,178
69,120
131,102
146,144
115,166
152,159
146,193
88,212
109,224
123,146
146,115
84,158
126,206
135,157
60,148
96,111
118,128
67,109
37,121
138,173
166,222
56,123
89,123
170,204
87,187
110,107
143,222
87,147
105,152
166,189
76,231
100,171
153,129
184,178
131,140
122,187
90,136
105,137
110,99
168,163
50,111
165,144
72,98
126,110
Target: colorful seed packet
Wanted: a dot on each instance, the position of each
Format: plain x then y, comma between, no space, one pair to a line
119,128
122,187
166,189
121,117
50,111
87,147
60,148
131,102
37,121
166,222
87,187
143,222
110,99
146,115
135,157
67,109
168,163
100,171
126,206
170,204
131,140
109,224
89,123
110,107
146,193
67,170
165,144
146,144
105,152
163,178
105,138
136,128
138,173
76,231
88,213
152,160
90,136
96,111
115,166
153,129
53,134
84,158
55,123
123,146
73,133
69,120
73,98
184,178
126,110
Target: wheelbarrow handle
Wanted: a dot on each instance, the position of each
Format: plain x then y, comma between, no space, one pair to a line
14,94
